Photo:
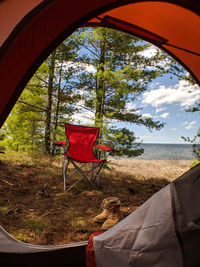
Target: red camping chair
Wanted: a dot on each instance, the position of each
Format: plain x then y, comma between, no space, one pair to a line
79,150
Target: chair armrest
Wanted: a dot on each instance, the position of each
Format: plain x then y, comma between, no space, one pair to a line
106,148
60,143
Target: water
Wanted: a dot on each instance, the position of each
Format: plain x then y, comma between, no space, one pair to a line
167,152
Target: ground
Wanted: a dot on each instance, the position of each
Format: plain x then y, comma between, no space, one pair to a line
34,207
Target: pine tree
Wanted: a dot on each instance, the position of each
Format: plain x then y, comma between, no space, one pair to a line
45,105
120,75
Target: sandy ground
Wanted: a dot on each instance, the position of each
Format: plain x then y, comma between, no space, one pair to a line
147,169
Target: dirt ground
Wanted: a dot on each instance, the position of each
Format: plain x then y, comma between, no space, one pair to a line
34,208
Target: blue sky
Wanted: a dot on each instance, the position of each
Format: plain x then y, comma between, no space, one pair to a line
166,101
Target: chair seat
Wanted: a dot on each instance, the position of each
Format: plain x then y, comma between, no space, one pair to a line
78,148
86,160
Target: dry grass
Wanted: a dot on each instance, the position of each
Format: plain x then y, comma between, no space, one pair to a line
64,217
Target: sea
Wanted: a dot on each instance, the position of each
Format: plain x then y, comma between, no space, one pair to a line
153,151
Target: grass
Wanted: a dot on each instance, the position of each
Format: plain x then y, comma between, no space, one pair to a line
63,217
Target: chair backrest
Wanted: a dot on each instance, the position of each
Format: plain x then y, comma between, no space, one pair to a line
81,141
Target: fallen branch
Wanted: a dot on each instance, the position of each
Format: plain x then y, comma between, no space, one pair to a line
6,182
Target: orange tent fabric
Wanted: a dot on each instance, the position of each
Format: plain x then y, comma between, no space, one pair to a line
32,29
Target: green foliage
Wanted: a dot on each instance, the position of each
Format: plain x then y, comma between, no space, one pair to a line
123,140
23,128
194,163
21,238
63,85
195,144
196,140
119,76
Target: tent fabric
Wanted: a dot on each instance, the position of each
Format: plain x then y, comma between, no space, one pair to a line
145,238
186,199
168,33
164,231
34,28
16,253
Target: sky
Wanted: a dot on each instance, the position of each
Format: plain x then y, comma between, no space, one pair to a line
166,100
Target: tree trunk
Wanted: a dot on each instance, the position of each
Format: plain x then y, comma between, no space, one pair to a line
57,108
32,135
100,88
49,105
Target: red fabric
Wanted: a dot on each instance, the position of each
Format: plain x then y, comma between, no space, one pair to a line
60,143
81,141
31,27
135,29
106,148
90,255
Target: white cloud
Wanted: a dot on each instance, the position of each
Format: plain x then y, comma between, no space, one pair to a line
149,52
90,68
182,93
174,129
164,115
70,64
193,122
160,109
86,117
130,106
189,125
146,115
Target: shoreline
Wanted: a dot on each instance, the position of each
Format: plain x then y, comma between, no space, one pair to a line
147,169
142,159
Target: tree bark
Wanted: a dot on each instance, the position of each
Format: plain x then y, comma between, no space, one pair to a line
57,108
100,88
47,148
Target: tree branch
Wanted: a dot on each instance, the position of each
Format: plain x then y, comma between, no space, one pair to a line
42,109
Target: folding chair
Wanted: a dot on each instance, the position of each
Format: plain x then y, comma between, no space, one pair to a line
78,149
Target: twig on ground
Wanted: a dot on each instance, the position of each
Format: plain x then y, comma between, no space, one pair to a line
6,181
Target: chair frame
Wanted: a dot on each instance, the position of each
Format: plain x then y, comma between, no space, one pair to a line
97,165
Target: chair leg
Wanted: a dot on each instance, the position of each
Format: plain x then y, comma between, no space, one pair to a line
97,175
97,166
83,174
69,176
65,168
74,184
64,174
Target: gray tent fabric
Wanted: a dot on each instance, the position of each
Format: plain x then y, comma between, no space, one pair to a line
164,231
147,237
16,253
9,244
186,200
